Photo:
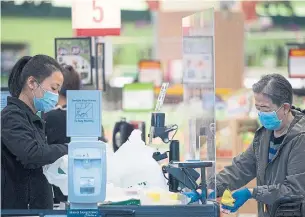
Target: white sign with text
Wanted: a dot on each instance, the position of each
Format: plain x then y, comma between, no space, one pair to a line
96,14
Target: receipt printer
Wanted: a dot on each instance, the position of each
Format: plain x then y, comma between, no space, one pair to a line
87,172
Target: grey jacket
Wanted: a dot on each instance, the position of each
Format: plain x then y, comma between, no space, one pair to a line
284,175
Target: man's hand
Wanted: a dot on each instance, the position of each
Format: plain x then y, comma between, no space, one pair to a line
241,196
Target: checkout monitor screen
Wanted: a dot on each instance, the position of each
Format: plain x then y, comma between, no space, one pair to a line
4,95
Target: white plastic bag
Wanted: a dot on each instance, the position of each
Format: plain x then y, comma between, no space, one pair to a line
132,166
57,174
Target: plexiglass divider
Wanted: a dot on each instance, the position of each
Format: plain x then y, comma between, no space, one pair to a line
199,91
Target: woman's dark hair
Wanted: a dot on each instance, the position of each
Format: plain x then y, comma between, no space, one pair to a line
72,80
39,66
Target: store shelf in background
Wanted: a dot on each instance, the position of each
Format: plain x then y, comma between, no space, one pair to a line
234,136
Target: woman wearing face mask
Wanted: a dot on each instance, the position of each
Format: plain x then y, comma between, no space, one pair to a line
276,157
34,84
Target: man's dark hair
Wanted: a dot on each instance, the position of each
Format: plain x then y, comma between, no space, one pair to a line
39,66
276,87
71,80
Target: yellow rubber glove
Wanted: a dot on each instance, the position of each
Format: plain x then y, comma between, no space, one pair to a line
227,198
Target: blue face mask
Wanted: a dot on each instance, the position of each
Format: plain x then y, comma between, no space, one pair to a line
47,102
270,120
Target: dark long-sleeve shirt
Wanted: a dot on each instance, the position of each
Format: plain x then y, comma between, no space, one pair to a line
24,152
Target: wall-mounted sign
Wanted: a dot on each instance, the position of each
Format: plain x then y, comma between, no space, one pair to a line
10,54
150,71
77,53
96,17
84,113
296,63
198,60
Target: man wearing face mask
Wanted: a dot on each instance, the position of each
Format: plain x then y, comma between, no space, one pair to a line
34,83
276,157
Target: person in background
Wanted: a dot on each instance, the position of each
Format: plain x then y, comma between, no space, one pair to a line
34,83
56,119
276,157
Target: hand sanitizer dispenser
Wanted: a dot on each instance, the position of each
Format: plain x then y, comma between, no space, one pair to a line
87,156
87,172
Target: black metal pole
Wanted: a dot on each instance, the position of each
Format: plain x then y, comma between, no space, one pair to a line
203,185
174,155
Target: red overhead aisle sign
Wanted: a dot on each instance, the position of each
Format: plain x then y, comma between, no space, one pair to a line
96,17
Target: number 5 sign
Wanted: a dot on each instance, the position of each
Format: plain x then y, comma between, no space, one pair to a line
96,17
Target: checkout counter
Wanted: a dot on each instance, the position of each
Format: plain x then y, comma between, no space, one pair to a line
87,170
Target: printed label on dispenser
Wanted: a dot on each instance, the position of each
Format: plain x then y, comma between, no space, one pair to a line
87,153
84,213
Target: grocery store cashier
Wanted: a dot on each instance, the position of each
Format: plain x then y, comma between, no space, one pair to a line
276,157
34,84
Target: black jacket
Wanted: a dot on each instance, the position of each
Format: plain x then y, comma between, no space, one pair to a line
24,152
56,126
